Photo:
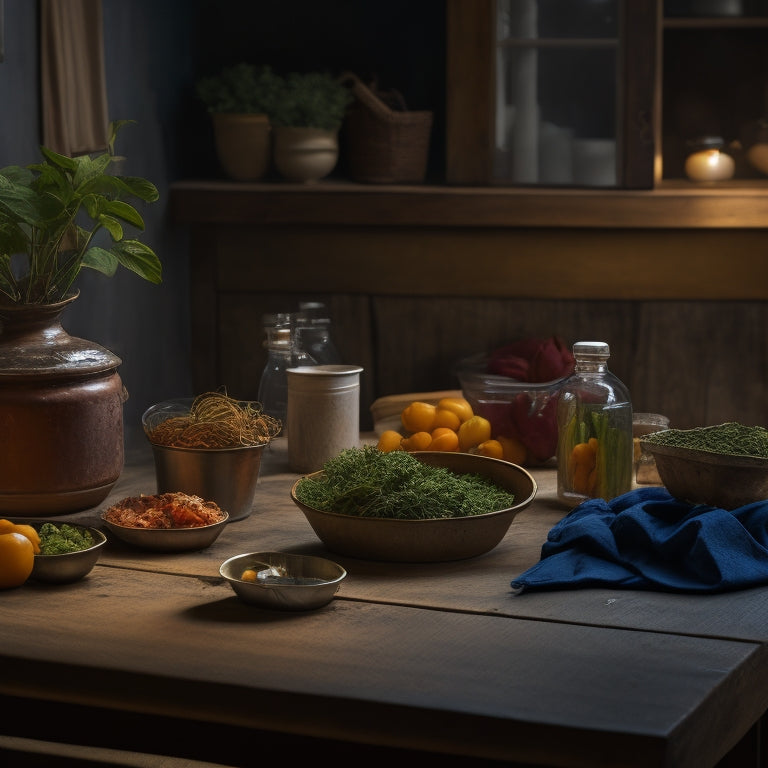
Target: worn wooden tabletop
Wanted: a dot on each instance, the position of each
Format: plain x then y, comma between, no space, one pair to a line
156,652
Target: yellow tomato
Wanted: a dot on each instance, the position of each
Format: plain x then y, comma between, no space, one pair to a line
474,431
418,417
418,441
514,450
446,418
248,575
30,533
390,440
17,557
491,448
458,405
444,439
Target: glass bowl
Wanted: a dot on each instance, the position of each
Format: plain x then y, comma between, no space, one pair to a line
525,412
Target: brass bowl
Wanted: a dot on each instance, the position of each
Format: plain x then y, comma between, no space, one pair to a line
427,541
715,479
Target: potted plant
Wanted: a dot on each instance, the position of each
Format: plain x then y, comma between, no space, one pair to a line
61,397
306,118
240,100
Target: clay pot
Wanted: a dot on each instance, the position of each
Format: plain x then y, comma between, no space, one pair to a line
61,415
305,154
243,145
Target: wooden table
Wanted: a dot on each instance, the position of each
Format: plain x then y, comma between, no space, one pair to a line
154,653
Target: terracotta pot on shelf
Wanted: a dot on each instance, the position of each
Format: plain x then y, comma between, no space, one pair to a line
243,145
61,415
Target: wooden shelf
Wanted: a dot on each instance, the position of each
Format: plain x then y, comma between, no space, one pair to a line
674,205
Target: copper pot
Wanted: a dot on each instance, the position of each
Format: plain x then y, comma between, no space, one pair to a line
61,415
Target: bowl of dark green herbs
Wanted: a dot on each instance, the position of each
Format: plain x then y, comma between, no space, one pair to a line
725,465
420,507
68,552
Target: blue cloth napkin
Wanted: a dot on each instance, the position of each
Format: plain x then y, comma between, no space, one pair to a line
647,539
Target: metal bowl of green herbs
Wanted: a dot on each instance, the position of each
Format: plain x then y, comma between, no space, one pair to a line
417,507
725,465
68,552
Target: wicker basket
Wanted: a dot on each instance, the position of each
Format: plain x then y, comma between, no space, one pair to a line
383,145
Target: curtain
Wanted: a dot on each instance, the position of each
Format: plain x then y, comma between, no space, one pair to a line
73,87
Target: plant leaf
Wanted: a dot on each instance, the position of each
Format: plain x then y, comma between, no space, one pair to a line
124,211
139,258
138,187
101,260
112,225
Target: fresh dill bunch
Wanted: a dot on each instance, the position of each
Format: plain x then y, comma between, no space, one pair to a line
367,482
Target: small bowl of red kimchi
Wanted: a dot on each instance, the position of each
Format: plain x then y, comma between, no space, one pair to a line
167,522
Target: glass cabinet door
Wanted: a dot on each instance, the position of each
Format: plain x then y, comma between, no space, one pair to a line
558,92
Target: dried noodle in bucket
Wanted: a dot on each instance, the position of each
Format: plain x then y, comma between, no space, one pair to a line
216,421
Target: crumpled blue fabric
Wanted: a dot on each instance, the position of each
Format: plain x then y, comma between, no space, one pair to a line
647,539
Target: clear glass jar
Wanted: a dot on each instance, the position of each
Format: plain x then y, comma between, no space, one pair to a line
283,352
594,420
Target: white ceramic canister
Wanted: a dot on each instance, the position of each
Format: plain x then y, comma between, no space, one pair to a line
323,414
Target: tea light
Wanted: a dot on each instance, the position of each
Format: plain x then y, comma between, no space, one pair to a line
708,162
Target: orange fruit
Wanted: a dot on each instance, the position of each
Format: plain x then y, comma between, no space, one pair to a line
390,440
30,533
418,417
17,558
6,526
474,431
458,405
446,418
514,450
418,441
492,448
444,439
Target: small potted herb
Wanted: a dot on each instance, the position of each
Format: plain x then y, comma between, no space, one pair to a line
306,118
240,100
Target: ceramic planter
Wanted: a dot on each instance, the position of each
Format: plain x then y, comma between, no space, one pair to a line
243,145
305,154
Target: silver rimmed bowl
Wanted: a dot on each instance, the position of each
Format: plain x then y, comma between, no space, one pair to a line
68,567
283,581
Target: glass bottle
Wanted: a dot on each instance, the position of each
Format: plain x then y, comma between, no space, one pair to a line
313,335
594,420
283,353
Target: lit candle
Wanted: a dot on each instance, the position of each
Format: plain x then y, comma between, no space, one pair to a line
708,162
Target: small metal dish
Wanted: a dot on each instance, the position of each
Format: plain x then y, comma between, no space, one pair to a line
69,566
168,539
287,582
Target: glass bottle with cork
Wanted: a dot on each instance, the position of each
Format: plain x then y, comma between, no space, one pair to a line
594,419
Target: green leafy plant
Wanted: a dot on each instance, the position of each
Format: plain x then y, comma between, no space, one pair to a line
50,216
241,89
311,100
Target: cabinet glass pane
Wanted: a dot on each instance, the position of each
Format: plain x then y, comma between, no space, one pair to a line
557,18
556,117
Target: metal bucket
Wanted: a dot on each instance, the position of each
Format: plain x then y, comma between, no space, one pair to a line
227,476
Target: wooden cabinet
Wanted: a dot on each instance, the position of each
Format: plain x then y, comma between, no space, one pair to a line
677,72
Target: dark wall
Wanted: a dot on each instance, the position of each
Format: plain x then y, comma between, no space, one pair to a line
155,50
